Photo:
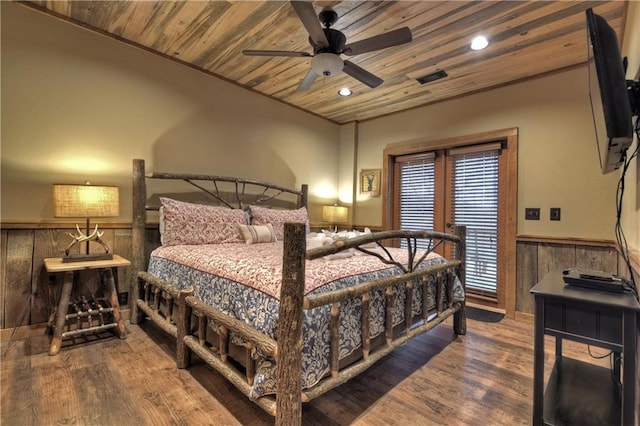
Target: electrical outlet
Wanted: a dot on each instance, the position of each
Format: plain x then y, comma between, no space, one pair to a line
123,298
532,213
554,213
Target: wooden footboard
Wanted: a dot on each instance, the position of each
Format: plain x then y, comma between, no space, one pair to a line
290,394
286,349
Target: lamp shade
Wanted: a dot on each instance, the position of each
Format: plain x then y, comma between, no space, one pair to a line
85,201
335,214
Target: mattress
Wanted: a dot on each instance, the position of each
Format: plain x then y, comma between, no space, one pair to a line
243,281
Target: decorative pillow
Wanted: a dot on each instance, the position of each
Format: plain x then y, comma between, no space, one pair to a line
334,236
161,224
324,238
277,218
315,240
188,223
254,234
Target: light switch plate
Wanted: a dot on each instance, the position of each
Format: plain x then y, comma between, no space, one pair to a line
532,213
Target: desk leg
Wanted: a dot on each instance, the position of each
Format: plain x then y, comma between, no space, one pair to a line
617,363
630,342
63,305
538,362
558,347
112,295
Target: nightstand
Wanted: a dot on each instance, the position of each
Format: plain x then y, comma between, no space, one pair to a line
579,392
93,314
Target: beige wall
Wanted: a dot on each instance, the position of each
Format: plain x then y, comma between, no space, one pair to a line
78,106
631,201
557,160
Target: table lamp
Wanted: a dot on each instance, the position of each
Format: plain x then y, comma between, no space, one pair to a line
335,214
86,201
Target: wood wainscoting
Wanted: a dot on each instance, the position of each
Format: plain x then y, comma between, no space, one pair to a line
537,256
27,292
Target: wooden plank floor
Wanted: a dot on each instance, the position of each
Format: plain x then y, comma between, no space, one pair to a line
485,377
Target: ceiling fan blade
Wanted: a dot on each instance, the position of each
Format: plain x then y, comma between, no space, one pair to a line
309,18
275,53
381,41
307,81
362,75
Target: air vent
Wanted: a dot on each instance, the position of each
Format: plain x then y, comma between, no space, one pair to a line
431,77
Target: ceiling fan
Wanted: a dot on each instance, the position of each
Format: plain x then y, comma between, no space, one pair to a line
328,44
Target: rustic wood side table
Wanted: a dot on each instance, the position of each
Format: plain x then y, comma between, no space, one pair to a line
93,315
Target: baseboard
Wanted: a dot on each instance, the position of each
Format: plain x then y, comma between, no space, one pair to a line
485,307
26,331
524,317
22,332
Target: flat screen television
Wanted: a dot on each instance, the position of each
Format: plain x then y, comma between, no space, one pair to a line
610,102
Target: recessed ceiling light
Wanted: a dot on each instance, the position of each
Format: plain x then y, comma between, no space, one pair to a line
479,43
345,91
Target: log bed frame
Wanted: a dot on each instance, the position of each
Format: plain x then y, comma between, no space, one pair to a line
186,318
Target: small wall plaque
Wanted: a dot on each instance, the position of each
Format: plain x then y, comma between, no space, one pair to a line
370,182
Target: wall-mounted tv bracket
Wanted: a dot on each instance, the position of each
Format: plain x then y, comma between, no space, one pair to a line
634,96
633,87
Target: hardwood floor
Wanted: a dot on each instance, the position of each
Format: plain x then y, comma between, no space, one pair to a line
485,377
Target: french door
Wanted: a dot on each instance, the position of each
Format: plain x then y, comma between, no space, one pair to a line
472,200
466,184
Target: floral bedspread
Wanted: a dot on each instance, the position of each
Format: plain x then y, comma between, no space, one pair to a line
244,281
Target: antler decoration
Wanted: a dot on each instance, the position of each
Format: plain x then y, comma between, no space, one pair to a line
80,237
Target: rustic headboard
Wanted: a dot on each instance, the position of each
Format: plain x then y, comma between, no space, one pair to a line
232,192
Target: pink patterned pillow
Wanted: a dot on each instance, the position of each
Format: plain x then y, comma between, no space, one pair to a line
277,218
188,223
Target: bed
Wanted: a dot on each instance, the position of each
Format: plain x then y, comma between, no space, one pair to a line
284,314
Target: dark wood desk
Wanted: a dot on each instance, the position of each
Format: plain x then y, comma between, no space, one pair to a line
578,392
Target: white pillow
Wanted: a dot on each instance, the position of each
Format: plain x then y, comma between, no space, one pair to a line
317,240
254,234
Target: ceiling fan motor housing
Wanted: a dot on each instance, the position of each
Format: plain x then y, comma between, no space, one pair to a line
336,40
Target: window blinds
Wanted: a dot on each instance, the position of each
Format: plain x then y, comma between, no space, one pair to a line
417,193
472,201
475,204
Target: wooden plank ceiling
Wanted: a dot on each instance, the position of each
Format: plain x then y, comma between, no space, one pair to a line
528,39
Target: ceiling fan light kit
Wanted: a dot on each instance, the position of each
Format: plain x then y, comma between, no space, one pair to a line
328,44
326,64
